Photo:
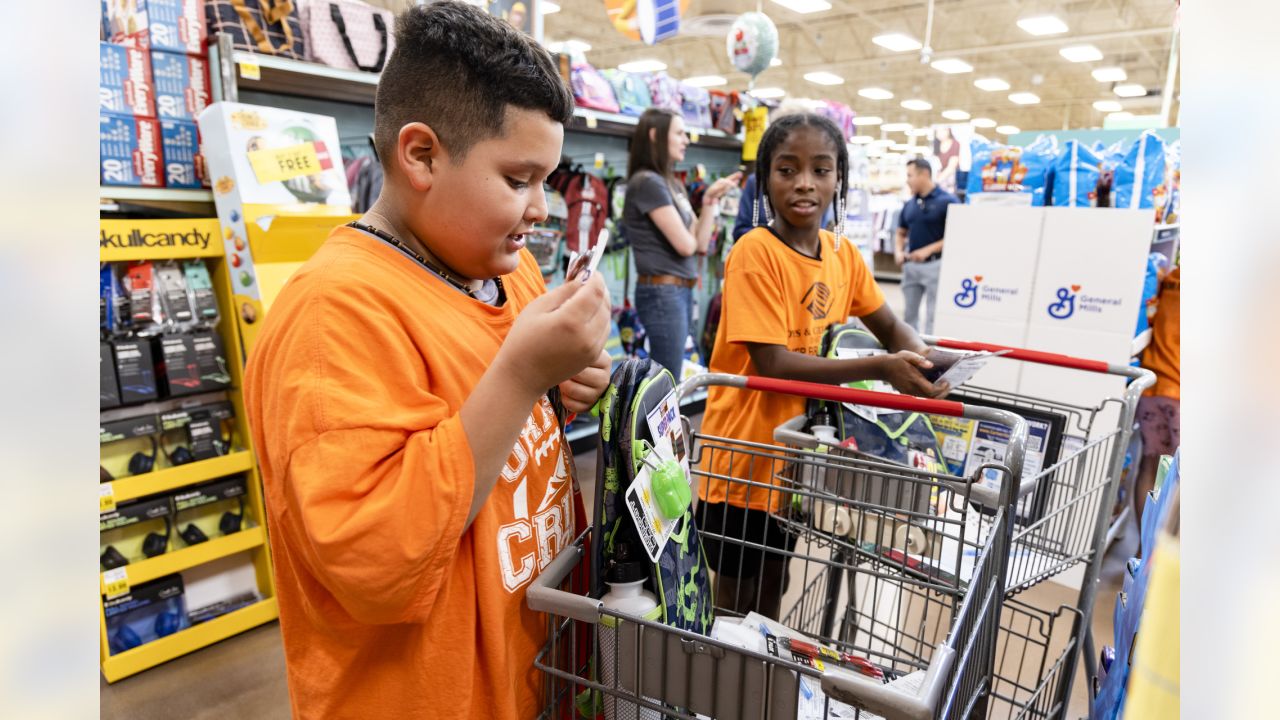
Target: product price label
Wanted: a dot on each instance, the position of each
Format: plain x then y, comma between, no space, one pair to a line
693,137
106,498
250,70
599,160
115,582
280,164
592,122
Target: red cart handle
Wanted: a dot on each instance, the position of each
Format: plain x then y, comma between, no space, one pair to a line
1035,356
836,393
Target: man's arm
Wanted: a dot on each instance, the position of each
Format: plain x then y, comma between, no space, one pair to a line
925,252
900,246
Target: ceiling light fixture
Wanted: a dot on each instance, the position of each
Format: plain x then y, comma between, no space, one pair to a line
919,132
706,81
642,66
896,127
775,62
1129,91
804,7
1043,25
1107,106
1008,130
822,77
897,42
991,84
952,66
569,46
546,8
875,93
1024,98
862,120
767,93
955,115
917,105
1122,115
1081,53
861,139
1110,74
983,122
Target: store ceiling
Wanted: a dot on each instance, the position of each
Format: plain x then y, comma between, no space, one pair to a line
1134,35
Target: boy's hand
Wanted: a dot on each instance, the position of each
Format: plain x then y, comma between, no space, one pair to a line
557,335
580,392
902,371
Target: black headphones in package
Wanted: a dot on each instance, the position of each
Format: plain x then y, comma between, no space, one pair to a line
153,545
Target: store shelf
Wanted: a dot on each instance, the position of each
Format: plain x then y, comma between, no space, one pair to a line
136,486
188,557
131,662
607,123
107,192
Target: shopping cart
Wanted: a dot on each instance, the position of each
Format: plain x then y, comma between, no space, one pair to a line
1060,519
905,644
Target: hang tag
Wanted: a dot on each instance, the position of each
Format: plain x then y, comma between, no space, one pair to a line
665,428
115,582
653,528
591,122
249,70
106,498
599,160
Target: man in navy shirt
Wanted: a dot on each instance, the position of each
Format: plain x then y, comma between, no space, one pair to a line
919,243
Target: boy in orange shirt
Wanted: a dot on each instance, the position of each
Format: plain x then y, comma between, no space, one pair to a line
784,285
415,473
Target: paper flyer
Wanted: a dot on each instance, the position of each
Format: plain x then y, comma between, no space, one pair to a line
653,528
870,414
664,423
956,367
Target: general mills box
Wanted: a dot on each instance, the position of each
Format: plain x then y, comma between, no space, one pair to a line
177,26
989,264
125,22
183,164
182,84
124,81
129,150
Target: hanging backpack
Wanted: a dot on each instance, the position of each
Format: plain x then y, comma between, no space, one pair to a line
723,111
664,91
631,91
591,90
587,200
680,577
695,105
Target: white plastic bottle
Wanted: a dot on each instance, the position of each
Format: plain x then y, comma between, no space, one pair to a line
626,595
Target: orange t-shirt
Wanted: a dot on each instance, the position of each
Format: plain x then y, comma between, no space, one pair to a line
389,609
773,295
1162,356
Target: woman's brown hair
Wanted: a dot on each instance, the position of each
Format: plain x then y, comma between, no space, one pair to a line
654,153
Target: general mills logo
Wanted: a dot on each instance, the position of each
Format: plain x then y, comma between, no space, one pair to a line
1065,307
968,295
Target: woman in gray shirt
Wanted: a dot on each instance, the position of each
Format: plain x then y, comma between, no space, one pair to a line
665,233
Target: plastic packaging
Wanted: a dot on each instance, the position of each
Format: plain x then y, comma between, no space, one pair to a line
630,89
1001,168
1150,290
1140,178
1076,174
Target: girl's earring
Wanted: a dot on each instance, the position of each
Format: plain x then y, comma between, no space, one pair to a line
755,212
840,210
768,212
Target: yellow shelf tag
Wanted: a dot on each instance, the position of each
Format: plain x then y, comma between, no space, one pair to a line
249,70
285,163
693,137
115,582
599,160
106,498
591,122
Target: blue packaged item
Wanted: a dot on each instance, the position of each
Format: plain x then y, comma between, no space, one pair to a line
980,154
182,85
129,151
695,105
1001,168
631,90
1150,289
1140,178
183,164
148,612
124,81
1076,174
177,25
1110,156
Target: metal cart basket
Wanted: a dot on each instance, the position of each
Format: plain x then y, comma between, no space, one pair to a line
901,645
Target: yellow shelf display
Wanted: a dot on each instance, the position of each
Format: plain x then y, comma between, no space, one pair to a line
142,240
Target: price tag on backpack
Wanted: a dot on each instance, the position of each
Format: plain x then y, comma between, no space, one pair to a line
249,70
106,498
115,582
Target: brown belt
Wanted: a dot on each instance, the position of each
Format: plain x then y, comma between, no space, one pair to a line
666,280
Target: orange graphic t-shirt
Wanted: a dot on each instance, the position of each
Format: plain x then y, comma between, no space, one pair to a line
773,295
1162,356
388,607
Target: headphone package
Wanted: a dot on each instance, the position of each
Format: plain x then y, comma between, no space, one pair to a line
146,315
175,303
108,386
179,369
211,361
135,370
200,291
134,531
148,612
211,510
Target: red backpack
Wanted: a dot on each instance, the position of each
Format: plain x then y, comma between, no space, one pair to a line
588,201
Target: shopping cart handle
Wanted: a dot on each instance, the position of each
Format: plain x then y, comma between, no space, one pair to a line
1035,356
892,701
836,393
544,593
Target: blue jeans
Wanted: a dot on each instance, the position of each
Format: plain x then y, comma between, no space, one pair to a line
666,312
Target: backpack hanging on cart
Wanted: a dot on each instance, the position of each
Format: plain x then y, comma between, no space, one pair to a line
679,578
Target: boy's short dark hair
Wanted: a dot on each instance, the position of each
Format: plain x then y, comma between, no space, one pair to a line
457,68
921,165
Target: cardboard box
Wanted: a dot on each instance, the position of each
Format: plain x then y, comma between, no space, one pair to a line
108,386
211,359
178,366
989,266
1078,387
136,371
184,165
182,85
129,151
125,22
125,84
177,26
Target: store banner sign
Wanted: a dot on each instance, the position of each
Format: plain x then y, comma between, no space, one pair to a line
1091,269
278,165
754,122
989,262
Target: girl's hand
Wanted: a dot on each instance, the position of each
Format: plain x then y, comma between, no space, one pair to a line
722,186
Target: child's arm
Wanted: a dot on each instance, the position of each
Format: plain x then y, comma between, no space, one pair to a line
900,369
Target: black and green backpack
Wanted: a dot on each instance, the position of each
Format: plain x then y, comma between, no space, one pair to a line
680,577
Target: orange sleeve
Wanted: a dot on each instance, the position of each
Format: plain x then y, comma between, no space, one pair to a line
753,308
378,477
867,296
